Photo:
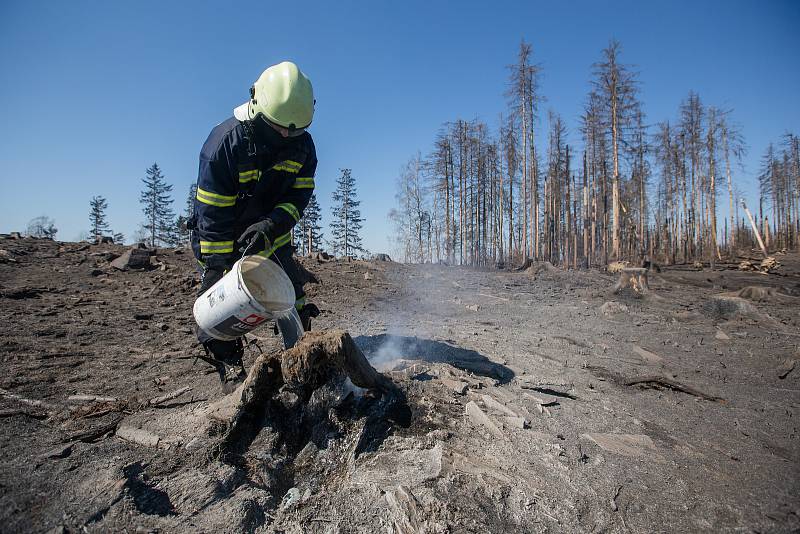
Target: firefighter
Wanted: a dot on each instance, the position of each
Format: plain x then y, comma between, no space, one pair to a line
256,178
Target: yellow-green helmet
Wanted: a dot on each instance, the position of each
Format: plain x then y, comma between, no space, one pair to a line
283,95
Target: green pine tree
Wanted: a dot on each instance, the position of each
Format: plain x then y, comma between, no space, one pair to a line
347,220
97,217
309,228
182,232
156,201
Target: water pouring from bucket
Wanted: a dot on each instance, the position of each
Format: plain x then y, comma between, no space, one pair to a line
254,291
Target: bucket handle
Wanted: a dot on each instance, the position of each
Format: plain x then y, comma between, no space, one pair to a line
244,253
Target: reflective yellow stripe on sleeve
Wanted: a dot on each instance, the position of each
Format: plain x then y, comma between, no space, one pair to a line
288,166
278,243
216,247
290,209
213,199
249,176
303,183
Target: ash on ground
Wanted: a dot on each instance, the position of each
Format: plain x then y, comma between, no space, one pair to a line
527,402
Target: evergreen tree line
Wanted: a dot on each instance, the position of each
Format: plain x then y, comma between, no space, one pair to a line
631,190
162,228
98,223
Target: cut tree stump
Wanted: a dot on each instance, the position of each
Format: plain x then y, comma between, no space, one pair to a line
535,267
133,258
310,362
634,278
306,366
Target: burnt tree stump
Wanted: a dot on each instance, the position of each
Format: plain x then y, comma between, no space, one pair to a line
306,366
310,361
634,278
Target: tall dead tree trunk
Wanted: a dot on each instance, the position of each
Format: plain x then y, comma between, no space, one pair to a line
616,84
711,139
585,212
523,98
729,177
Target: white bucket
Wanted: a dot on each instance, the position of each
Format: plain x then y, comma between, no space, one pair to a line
254,290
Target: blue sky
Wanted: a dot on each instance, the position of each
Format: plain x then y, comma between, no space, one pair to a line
92,93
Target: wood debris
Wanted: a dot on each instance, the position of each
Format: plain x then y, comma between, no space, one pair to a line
631,445
30,402
456,386
785,368
646,355
168,397
495,406
662,382
59,452
479,418
138,436
90,398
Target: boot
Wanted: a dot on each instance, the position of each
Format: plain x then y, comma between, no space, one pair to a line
226,358
306,313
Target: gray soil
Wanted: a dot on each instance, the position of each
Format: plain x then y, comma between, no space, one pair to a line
530,401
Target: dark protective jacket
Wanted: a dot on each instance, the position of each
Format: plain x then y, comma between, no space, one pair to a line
248,173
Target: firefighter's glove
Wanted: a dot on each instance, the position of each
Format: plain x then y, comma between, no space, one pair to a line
258,236
210,277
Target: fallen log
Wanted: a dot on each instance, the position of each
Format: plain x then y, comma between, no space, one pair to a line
755,229
168,397
94,433
668,383
30,402
90,398
22,411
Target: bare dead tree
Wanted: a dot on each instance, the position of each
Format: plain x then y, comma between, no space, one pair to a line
617,86
732,146
477,198
524,99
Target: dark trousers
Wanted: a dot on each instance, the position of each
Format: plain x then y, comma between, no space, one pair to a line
283,257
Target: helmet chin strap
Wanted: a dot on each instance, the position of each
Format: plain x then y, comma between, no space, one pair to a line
251,138
250,113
